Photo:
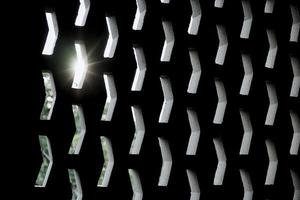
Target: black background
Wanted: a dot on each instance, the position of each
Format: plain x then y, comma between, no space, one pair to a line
29,30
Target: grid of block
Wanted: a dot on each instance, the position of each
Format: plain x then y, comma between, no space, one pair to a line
150,99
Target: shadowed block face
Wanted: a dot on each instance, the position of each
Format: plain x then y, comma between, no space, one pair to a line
80,65
50,96
46,165
75,184
80,130
108,162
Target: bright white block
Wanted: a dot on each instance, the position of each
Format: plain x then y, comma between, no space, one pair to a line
248,75
247,23
222,102
83,12
140,70
223,44
221,167
139,15
112,37
219,3
269,6
195,17
139,130
52,33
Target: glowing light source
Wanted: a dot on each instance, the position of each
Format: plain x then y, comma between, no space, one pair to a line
80,65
